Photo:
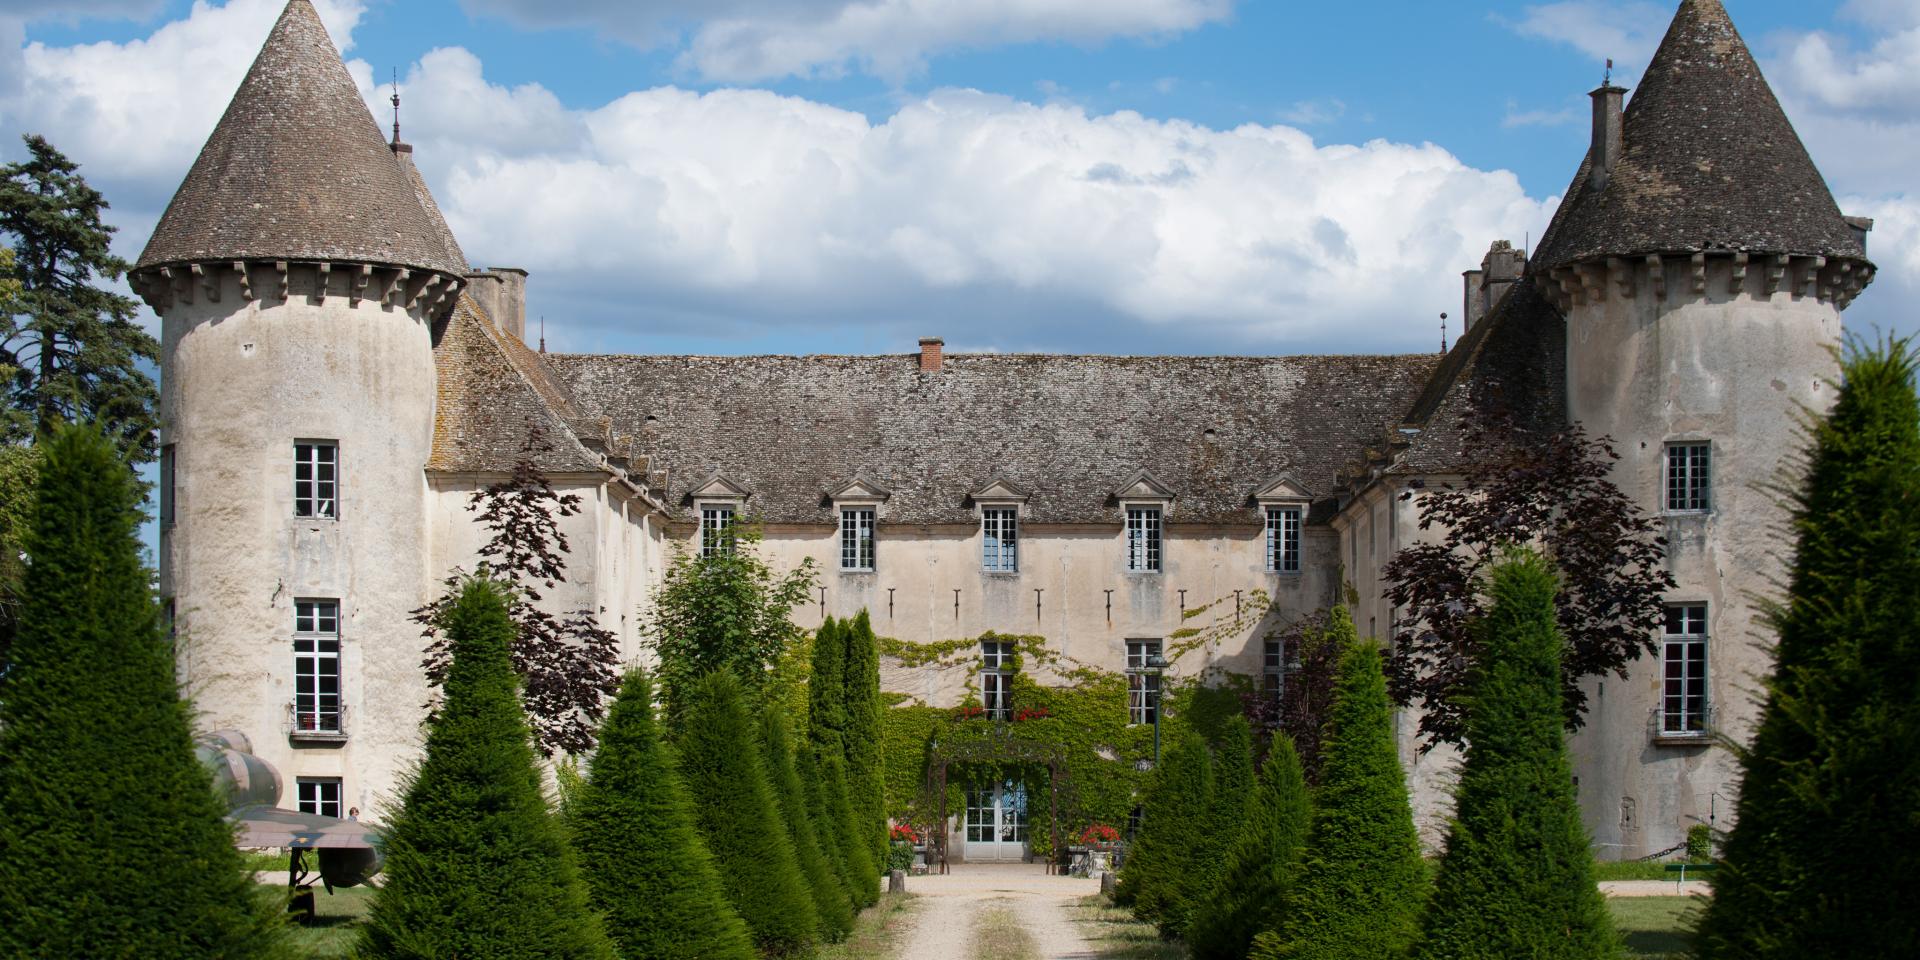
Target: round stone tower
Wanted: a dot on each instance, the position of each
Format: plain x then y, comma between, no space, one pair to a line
1703,266
299,276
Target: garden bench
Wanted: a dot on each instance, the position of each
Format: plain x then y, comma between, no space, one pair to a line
1682,868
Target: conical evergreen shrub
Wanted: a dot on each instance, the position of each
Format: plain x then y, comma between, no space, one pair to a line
1827,836
1232,788
830,897
735,809
866,777
647,869
828,785
477,865
112,842
1251,890
1516,879
1169,849
1362,884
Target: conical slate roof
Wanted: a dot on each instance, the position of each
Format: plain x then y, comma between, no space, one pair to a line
298,170
1711,163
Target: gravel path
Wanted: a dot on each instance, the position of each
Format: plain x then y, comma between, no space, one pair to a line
943,927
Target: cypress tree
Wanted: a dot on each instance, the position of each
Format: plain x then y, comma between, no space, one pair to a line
1361,885
1831,782
1517,876
1232,788
734,805
647,869
866,778
827,790
1169,851
1248,896
830,897
477,865
112,842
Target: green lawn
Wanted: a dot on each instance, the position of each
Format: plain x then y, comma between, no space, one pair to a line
876,931
1114,934
1655,927
336,925
1633,870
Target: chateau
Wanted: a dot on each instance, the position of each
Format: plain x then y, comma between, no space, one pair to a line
337,380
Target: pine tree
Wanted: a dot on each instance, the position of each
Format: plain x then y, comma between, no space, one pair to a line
477,865
1168,852
866,776
1249,894
734,807
1831,782
647,869
112,842
1517,876
1232,788
830,897
73,350
1362,884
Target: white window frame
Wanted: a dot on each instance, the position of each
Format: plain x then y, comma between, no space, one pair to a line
321,796
717,519
316,495
316,658
858,523
1000,538
1146,539
996,679
1283,537
1273,667
1687,477
1686,699
1143,686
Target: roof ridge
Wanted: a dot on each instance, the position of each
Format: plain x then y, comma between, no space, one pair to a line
297,169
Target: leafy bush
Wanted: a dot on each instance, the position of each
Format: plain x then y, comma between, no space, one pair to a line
1249,895
111,840
648,870
734,808
900,855
1516,879
476,863
1362,883
727,610
1831,781
1699,843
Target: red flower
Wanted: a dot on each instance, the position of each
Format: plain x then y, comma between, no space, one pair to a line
1099,833
902,831
1035,713
968,713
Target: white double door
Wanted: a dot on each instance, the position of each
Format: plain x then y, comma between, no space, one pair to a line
997,822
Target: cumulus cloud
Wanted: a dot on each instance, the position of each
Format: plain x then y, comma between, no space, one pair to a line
1625,32
995,220
741,40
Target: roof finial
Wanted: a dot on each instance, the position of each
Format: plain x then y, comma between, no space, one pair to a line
1606,79
1443,334
543,333
396,105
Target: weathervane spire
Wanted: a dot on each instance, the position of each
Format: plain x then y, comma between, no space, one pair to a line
1606,79
396,104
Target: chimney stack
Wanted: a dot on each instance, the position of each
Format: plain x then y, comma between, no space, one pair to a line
502,293
1608,134
1499,269
930,354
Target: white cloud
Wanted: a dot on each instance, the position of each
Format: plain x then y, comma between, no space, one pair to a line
1625,32
1517,117
1309,113
740,40
1001,221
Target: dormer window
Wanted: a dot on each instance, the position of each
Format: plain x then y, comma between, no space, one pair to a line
1144,502
1283,509
857,501
999,503
716,529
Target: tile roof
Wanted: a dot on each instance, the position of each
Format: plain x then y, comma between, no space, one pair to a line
1069,430
490,388
298,170
1710,163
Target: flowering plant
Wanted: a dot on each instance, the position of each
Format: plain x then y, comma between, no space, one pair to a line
1035,713
968,713
905,832
1098,834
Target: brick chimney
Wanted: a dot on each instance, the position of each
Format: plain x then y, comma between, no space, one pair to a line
930,348
1608,134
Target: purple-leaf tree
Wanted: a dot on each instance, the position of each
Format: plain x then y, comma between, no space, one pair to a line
1550,490
568,663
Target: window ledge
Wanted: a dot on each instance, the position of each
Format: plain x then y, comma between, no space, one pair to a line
1703,738
1001,574
318,736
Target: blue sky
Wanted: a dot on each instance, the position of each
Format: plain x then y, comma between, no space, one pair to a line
1186,176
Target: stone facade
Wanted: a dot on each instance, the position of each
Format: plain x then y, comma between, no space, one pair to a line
1667,304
